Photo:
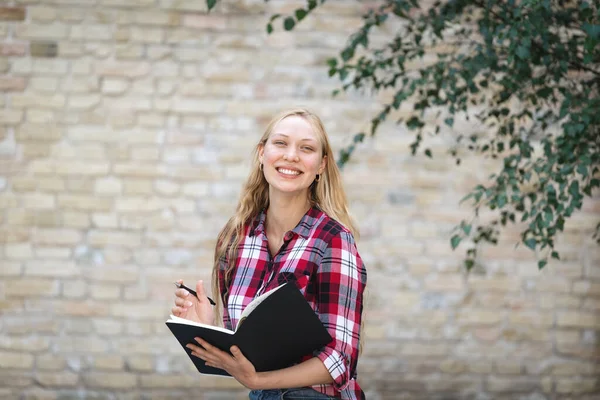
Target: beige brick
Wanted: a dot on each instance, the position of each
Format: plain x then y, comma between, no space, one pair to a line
18,251
10,117
56,253
586,288
51,362
16,379
81,85
509,367
15,360
40,117
57,379
44,268
107,326
12,84
166,188
114,238
108,362
165,381
79,168
445,283
31,288
105,221
108,186
11,269
495,283
479,317
42,13
425,349
54,101
57,236
86,151
128,3
12,13
531,318
43,84
140,363
113,86
110,380
41,31
577,385
512,384
104,292
73,219
50,66
577,319
38,201
90,345
129,69
83,101
91,32
84,203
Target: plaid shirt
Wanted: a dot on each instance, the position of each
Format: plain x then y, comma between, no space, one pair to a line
320,255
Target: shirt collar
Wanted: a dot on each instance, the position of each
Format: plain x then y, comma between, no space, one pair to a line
303,229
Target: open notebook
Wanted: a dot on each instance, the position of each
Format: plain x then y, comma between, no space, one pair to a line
275,331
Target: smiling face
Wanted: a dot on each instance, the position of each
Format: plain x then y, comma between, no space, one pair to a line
292,156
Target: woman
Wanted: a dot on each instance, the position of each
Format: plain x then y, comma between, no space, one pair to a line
291,224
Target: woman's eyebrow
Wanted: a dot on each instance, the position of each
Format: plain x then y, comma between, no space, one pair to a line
286,136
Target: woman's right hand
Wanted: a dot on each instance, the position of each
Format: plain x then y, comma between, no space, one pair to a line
188,306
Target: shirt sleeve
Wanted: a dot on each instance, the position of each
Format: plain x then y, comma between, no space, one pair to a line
341,279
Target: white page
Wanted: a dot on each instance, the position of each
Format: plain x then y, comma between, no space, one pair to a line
184,321
255,302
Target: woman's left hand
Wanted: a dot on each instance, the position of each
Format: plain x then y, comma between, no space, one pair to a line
236,364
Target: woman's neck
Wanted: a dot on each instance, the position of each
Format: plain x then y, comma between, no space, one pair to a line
284,214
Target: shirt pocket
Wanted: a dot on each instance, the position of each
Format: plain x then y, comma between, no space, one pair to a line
299,278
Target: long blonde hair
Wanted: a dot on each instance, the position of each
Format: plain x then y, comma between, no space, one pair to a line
328,194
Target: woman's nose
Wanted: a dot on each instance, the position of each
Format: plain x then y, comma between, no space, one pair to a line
291,154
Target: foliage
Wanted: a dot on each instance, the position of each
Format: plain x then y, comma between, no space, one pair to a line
531,66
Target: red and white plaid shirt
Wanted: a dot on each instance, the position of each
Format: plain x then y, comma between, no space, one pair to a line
320,256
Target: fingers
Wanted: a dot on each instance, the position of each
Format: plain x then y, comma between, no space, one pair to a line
183,303
200,289
236,352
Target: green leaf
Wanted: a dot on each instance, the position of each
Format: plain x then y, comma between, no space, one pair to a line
592,30
455,241
414,123
300,14
522,52
210,4
555,255
428,153
469,263
289,23
466,229
531,243
542,264
269,28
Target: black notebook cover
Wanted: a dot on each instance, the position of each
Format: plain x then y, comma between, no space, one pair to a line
281,330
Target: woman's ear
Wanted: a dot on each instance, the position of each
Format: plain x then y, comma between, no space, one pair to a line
323,164
261,152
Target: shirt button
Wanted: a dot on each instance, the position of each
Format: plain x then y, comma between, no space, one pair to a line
288,236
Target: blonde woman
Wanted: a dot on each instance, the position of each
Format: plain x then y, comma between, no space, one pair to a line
291,224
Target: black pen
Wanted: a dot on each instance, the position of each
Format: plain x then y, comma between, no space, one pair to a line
182,286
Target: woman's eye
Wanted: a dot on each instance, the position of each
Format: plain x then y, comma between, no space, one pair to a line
307,149
279,142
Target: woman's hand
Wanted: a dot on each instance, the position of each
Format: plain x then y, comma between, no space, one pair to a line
236,364
188,306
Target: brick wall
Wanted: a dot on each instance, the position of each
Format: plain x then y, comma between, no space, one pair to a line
125,133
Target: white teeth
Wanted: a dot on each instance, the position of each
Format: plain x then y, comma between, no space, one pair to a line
288,171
